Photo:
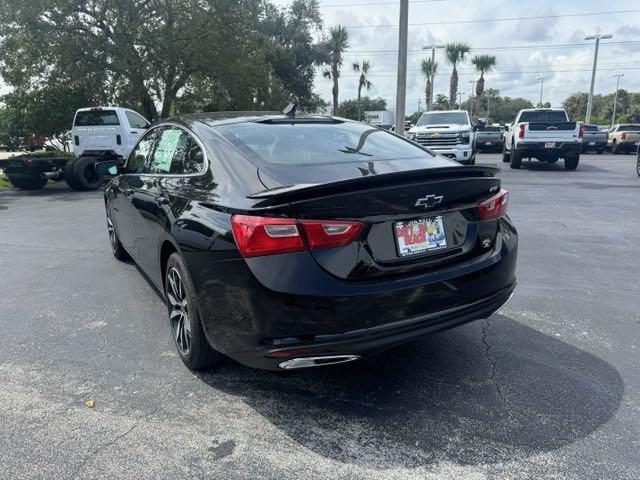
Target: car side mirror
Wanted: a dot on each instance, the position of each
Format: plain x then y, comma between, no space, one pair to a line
108,168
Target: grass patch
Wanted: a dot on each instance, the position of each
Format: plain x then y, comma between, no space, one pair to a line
4,182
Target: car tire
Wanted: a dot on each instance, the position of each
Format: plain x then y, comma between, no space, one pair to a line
84,174
69,176
515,161
615,149
638,165
27,182
599,151
116,247
506,156
184,318
571,163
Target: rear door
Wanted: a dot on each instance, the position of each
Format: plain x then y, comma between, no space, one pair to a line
175,160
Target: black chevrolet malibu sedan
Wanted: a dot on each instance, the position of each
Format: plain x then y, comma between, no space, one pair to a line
288,242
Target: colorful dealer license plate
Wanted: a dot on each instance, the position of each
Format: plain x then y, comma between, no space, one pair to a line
420,236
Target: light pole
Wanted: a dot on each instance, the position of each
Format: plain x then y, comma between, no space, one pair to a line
488,107
541,80
433,77
597,38
460,99
473,90
401,89
615,98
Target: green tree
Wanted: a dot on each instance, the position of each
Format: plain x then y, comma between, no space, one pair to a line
503,110
363,81
349,108
455,53
334,47
440,102
149,54
429,70
483,63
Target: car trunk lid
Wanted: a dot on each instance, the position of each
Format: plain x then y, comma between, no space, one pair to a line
398,208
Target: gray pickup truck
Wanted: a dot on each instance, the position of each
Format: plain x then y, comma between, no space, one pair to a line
594,139
489,138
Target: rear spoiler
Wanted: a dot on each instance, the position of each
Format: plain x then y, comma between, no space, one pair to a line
301,191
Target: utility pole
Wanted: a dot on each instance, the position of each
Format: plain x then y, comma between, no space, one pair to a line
488,109
419,104
615,101
541,80
460,99
433,77
401,89
473,91
597,38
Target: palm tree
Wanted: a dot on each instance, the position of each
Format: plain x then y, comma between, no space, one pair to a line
429,70
483,64
362,81
455,53
334,46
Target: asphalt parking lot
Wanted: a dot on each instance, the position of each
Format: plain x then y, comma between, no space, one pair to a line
548,388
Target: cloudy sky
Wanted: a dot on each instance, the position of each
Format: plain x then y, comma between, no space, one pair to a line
525,49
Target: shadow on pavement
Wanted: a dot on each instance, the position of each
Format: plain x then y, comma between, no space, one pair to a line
536,166
487,392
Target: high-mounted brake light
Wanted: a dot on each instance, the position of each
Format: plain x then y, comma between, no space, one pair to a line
257,236
493,207
521,130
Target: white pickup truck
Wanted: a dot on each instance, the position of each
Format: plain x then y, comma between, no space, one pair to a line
545,134
448,133
98,133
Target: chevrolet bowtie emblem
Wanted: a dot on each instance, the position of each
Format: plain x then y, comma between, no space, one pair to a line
429,201
435,135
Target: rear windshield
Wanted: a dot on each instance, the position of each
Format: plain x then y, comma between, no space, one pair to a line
590,128
92,118
444,118
552,116
629,128
318,143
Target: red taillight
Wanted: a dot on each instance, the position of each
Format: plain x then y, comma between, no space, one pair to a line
493,207
581,131
623,136
270,235
521,130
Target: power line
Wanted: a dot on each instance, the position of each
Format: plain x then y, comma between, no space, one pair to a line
504,19
525,72
371,4
497,48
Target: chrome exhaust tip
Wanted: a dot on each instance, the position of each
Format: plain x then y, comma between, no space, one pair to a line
306,362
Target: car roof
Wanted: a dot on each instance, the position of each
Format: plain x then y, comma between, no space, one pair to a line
213,119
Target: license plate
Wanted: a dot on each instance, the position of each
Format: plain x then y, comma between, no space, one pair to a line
549,144
592,143
419,236
488,143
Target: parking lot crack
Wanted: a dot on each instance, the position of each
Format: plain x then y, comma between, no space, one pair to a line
105,446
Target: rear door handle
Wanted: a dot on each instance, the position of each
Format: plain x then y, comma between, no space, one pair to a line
135,133
161,199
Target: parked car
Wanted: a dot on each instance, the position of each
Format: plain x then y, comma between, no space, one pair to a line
489,138
545,134
624,138
594,139
448,133
287,242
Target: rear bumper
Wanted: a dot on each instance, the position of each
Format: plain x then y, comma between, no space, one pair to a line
559,149
490,144
256,310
